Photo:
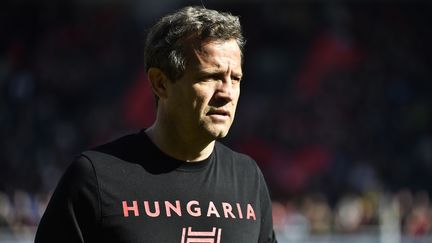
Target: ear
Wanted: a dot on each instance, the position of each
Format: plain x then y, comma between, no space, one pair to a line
158,82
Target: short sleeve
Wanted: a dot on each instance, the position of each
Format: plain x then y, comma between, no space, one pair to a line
267,234
73,213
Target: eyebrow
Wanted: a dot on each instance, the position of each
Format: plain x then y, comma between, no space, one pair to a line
217,71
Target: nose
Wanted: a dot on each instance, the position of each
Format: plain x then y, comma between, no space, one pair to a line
225,90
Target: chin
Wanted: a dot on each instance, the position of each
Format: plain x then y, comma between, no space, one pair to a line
215,130
216,133
222,135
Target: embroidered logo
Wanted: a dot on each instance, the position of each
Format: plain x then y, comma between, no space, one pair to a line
189,236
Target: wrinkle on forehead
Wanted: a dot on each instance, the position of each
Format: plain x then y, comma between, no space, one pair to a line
204,58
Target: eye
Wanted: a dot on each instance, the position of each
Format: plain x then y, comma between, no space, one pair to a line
207,77
236,79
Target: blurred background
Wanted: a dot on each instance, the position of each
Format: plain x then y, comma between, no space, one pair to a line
335,107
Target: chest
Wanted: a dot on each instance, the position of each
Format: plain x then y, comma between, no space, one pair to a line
179,207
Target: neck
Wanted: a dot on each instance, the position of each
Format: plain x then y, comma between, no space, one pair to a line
179,145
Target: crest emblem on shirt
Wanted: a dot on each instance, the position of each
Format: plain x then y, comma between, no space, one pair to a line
190,236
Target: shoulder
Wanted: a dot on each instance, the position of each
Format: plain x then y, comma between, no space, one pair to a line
121,145
115,155
79,172
241,169
225,151
122,148
237,160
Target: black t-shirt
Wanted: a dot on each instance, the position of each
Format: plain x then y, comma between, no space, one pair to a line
129,191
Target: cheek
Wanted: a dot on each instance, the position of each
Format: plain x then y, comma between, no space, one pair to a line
236,96
198,104
202,95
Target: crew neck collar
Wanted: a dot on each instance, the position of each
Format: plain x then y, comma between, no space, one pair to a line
182,165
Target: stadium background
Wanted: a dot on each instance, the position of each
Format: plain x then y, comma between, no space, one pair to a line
335,107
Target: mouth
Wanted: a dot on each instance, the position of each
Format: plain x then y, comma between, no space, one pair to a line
219,112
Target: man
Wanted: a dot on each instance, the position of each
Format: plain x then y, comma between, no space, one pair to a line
172,182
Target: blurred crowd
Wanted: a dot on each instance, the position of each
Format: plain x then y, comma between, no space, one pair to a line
335,104
401,215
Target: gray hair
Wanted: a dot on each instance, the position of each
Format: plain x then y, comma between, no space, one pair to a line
164,47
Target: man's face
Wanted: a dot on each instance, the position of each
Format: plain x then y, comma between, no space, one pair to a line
203,101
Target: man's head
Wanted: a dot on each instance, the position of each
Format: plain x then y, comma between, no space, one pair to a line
167,39
194,64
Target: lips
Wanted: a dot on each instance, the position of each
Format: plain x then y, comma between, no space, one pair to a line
219,112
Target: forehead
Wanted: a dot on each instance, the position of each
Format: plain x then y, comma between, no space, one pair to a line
214,55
